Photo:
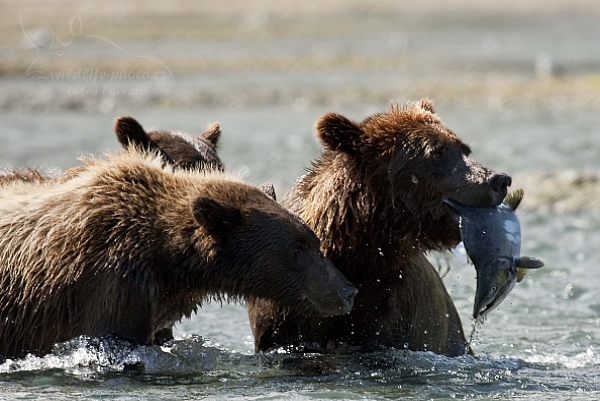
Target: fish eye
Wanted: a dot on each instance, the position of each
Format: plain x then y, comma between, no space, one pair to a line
493,288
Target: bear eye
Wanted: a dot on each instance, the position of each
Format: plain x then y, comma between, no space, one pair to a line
437,153
299,248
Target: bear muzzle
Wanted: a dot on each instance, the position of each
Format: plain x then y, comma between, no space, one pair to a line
331,294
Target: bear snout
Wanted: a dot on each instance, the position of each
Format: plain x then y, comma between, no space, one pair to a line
487,192
330,292
499,184
339,303
347,294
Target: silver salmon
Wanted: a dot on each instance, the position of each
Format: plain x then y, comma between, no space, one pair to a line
492,239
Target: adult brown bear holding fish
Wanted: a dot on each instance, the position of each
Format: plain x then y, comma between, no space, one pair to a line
375,199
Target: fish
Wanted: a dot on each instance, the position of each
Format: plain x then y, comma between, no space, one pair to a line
492,238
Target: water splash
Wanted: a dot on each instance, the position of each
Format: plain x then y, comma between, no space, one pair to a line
476,326
194,360
90,358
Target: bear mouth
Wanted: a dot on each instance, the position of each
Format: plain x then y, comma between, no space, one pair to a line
452,208
340,305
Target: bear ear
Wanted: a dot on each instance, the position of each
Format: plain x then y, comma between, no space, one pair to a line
268,189
211,134
129,132
337,132
427,105
216,217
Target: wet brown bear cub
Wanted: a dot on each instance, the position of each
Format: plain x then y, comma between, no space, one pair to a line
129,246
374,198
176,149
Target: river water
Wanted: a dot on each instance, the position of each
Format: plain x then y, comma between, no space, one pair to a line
543,342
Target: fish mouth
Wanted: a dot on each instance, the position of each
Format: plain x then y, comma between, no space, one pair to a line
494,283
483,308
480,313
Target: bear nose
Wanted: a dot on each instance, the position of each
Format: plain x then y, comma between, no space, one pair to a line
499,184
349,292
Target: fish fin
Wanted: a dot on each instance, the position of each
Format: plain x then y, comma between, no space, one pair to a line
521,274
526,262
513,199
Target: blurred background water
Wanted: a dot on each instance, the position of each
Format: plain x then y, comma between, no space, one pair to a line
518,81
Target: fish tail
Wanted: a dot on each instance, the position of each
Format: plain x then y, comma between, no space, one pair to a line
513,199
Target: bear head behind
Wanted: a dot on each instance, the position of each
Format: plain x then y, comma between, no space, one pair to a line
177,149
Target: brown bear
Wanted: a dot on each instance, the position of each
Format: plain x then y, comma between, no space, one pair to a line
129,246
176,149
374,197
